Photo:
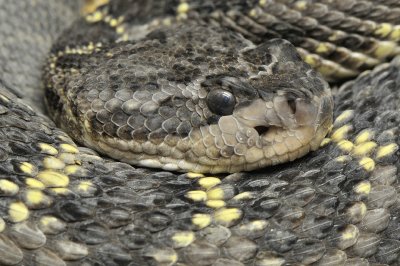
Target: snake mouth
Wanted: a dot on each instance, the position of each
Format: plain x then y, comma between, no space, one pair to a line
261,130
284,129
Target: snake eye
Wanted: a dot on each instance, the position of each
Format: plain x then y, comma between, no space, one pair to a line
221,102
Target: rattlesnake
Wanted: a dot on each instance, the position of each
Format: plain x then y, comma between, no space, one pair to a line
64,204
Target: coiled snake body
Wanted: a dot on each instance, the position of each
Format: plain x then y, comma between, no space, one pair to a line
207,87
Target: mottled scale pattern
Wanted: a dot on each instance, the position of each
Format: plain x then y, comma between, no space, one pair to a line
340,41
154,101
339,38
64,205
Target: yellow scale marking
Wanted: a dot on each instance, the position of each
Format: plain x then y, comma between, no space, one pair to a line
325,142
53,179
351,232
120,30
386,150
194,175
215,194
115,23
35,197
69,148
53,163
48,149
85,186
61,191
227,215
383,29
358,209
183,8
215,204
201,220
301,5
253,13
395,35
27,168
18,212
364,136
341,133
324,48
311,59
346,145
161,257
367,163
183,238
263,2
47,222
364,148
258,224
196,195
94,17
34,183
343,158
209,182
345,115
68,158
364,187
384,49
9,188
244,196
71,169
255,225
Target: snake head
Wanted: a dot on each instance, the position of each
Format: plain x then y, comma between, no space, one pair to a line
279,112
192,98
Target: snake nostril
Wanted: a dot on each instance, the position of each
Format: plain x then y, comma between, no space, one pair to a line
261,130
292,105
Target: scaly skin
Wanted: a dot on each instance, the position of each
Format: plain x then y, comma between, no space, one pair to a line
62,204
157,101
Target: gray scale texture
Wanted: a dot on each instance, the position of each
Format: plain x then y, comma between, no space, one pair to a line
154,94
27,38
324,209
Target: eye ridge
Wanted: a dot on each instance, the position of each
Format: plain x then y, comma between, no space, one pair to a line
221,102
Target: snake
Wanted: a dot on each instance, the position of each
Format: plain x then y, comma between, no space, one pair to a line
242,132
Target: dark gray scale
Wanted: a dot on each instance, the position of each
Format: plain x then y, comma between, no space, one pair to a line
91,233
390,3
381,12
318,31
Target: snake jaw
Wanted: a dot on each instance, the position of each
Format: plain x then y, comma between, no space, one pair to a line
287,129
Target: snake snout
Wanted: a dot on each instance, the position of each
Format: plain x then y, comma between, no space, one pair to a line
287,126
